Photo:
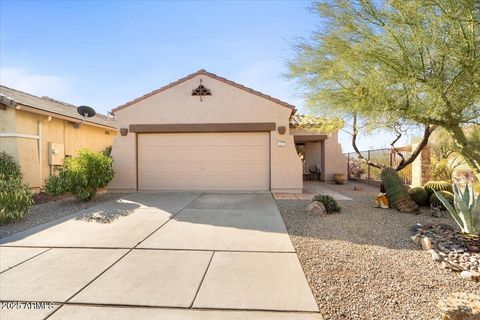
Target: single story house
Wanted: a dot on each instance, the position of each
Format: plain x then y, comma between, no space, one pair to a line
205,132
39,132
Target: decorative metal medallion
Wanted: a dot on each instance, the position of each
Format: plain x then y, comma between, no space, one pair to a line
201,91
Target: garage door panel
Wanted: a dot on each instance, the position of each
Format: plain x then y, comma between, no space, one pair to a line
248,171
199,139
204,184
205,154
204,161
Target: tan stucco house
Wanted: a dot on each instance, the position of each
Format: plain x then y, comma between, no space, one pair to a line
39,132
204,132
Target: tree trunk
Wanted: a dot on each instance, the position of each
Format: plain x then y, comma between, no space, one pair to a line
426,135
468,150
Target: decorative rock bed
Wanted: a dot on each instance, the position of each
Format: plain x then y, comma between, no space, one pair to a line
446,245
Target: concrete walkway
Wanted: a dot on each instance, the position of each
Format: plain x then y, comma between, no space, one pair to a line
310,189
172,255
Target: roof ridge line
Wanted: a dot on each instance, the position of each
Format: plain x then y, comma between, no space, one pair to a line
214,76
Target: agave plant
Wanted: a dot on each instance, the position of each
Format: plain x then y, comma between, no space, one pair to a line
466,209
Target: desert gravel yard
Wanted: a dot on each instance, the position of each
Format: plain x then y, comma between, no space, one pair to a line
362,264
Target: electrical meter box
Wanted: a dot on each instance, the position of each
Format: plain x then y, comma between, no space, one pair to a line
56,153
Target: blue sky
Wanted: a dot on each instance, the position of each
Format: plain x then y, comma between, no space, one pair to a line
104,53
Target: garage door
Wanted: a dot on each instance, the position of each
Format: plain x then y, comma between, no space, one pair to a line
204,161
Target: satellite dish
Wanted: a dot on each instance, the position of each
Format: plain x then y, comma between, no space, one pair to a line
86,111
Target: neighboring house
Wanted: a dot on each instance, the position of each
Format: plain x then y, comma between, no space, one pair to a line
39,132
204,132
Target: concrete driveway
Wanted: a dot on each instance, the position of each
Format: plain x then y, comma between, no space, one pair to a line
173,255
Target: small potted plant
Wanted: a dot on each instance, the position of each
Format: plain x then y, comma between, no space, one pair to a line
339,178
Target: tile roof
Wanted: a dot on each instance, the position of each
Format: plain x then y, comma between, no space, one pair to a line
211,75
298,118
51,106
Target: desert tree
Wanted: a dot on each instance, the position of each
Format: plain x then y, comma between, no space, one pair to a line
396,63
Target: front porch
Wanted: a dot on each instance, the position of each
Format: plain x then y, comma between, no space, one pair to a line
311,149
320,152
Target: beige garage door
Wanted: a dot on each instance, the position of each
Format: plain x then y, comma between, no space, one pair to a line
204,161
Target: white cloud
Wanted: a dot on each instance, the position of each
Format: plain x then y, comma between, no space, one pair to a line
54,86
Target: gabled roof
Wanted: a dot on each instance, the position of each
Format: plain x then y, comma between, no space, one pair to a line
211,75
12,97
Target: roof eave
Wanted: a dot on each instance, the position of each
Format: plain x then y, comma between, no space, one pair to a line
25,107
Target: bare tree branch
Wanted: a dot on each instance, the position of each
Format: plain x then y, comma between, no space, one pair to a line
354,145
398,136
426,135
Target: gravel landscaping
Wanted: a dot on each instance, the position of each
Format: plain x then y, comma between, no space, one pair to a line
46,212
361,263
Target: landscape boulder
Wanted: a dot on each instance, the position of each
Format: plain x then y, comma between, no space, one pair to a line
316,208
460,306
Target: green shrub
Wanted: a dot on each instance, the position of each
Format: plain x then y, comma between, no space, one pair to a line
441,169
15,197
82,175
107,151
331,204
56,185
8,166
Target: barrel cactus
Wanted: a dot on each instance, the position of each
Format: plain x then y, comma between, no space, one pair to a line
419,195
396,192
434,201
438,186
331,204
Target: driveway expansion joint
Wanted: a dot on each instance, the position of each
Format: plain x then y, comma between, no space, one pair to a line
21,262
203,278
169,219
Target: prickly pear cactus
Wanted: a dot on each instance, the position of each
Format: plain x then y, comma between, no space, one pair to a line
419,195
438,186
396,191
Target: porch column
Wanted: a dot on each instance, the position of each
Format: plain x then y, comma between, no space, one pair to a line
322,160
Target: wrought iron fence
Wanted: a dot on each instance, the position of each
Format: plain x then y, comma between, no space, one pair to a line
360,170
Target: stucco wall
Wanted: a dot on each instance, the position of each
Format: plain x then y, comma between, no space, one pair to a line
90,137
313,154
227,104
56,131
7,120
7,124
24,150
335,160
